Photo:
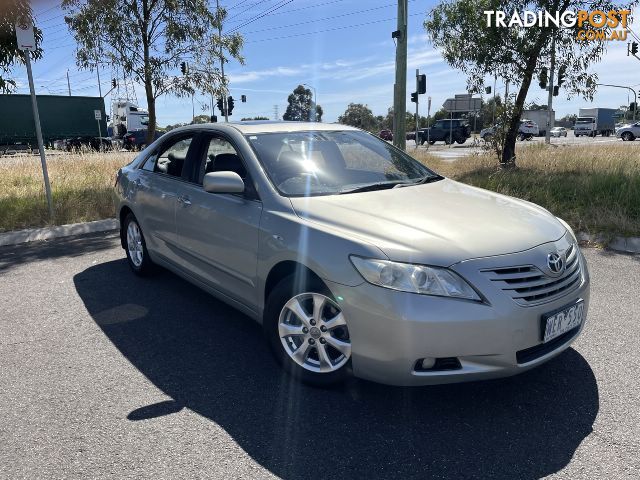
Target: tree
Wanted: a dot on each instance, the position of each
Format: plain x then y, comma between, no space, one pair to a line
201,119
360,116
10,12
301,107
149,39
459,30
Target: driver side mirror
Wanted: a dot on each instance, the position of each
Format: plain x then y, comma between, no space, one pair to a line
223,182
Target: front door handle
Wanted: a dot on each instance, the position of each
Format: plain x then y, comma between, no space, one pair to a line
184,200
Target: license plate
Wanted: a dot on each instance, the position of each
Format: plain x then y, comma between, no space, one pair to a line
557,323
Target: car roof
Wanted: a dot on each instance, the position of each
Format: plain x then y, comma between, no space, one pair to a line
265,126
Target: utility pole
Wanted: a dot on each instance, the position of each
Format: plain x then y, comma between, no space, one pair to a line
224,81
99,86
400,87
68,82
547,133
495,81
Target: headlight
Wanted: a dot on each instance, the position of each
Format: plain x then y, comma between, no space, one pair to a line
569,229
414,278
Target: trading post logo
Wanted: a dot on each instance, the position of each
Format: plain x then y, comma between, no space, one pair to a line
592,25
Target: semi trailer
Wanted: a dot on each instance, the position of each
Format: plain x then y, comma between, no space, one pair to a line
61,118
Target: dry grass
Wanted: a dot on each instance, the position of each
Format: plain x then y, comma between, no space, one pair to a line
81,186
596,189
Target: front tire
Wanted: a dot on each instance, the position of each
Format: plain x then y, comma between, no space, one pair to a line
627,137
307,332
136,248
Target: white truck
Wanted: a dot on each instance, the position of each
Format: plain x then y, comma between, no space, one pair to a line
127,117
595,121
539,117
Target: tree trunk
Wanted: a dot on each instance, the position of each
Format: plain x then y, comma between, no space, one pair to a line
151,107
509,151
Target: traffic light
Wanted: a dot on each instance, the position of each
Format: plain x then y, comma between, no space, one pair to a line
183,68
230,103
414,97
634,48
243,98
561,75
632,106
220,105
556,90
543,78
422,84
114,84
214,119
487,90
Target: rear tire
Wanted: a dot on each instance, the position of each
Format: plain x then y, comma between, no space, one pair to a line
304,347
136,247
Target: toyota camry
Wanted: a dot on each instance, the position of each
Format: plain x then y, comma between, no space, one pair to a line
354,257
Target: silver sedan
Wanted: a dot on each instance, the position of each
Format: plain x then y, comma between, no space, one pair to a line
354,257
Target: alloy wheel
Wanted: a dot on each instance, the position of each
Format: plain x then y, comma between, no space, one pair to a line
134,243
314,333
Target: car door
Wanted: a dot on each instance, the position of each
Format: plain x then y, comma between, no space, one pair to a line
156,193
218,232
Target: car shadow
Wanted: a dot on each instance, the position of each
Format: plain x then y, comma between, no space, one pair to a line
211,359
15,255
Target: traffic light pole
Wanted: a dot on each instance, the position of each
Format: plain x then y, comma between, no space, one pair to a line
635,96
547,133
417,103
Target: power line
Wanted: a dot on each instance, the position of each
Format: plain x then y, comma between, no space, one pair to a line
327,30
323,19
259,16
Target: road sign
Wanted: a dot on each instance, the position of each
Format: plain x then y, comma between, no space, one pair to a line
462,103
25,35
98,114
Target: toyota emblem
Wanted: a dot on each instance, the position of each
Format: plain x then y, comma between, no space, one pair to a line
556,263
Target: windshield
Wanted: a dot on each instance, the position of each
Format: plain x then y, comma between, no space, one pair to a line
584,120
325,163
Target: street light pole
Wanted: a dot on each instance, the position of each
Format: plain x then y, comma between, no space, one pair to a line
315,100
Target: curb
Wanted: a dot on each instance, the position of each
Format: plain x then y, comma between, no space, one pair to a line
47,233
617,244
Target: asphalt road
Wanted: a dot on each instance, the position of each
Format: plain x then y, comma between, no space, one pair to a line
105,375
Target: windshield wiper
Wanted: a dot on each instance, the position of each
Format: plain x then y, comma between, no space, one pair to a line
422,181
370,187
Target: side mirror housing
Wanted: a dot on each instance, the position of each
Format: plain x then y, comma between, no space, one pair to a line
223,182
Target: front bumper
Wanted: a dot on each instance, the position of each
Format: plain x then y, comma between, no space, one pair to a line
390,331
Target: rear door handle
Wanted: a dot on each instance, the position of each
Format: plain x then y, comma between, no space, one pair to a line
184,200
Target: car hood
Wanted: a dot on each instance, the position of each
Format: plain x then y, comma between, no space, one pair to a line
439,223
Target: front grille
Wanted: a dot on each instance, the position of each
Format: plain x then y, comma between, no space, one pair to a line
528,285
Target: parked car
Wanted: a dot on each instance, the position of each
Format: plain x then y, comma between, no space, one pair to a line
386,135
526,131
77,144
628,133
137,139
447,131
558,132
411,135
354,257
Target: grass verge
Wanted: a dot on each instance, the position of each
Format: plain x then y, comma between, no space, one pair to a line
81,186
596,189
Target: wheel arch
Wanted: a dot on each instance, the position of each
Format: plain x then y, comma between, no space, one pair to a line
122,214
286,268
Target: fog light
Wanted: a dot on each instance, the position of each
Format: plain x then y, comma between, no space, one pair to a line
428,363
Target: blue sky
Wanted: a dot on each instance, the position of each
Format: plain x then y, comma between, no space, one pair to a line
343,48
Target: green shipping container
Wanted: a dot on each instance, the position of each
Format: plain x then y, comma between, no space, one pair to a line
60,118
